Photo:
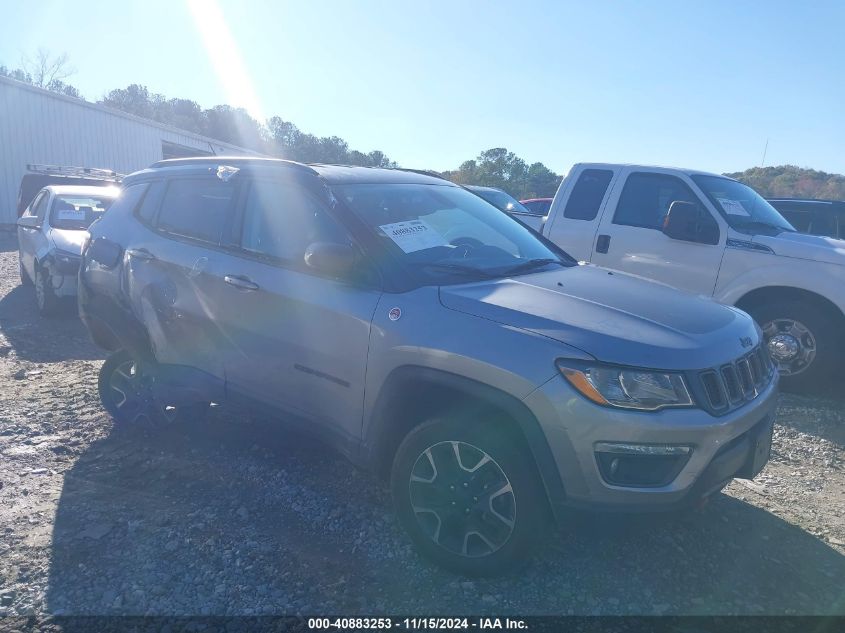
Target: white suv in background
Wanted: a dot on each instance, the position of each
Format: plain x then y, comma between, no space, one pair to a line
51,233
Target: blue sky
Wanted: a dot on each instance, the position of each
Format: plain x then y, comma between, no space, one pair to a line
697,84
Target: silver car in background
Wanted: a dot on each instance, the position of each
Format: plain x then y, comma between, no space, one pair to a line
51,233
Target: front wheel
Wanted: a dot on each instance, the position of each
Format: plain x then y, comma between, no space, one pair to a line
468,496
45,295
126,391
802,341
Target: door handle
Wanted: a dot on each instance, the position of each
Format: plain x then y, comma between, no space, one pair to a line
602,243
241,282
141,253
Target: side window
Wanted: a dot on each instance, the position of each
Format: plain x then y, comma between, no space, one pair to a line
149,205
281,220
40,209
646,198
30,210
128,199
587,194
196,208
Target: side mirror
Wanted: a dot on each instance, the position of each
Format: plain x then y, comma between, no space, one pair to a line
331,258
688,222
104,252
28,221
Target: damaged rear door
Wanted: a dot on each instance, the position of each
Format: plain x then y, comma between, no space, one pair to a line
167,283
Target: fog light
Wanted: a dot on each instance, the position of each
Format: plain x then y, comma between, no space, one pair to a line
640,465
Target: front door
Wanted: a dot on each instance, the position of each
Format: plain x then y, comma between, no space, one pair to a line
630,236
299,338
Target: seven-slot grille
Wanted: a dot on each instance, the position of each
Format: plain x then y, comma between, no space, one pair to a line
732,385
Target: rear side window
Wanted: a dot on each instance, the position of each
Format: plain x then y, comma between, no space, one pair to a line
587,194
281,220
40,210
646,198
197,208
148,207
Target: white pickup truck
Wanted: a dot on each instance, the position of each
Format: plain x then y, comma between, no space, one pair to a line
713,236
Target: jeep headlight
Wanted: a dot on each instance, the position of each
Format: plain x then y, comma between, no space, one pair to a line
629,388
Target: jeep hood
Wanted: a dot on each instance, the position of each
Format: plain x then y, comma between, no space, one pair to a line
614,317
68,240
802,246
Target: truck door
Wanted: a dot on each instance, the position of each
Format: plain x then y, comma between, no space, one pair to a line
574,217
630,237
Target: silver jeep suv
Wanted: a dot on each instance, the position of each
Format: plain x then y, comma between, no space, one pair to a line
494,381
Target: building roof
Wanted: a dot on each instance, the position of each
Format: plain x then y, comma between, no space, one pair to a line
119,113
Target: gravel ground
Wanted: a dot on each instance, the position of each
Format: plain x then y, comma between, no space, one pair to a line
242,517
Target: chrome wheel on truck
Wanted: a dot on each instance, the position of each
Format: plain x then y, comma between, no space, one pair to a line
791,344
803,341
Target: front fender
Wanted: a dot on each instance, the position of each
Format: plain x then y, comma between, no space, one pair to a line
826,280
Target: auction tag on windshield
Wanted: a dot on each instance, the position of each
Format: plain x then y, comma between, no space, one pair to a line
72,214
413,235
733,207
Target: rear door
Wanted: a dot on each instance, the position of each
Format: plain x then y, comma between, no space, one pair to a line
576,211
299,338
169,286
630,237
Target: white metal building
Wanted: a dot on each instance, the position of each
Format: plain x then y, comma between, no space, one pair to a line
39,126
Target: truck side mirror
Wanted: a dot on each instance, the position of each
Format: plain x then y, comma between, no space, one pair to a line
688,222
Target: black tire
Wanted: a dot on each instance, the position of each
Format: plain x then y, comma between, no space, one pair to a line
125,389
45,296
25,280
525,506
821,346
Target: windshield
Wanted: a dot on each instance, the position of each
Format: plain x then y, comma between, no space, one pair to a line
446,234
740,205
501,200
77,212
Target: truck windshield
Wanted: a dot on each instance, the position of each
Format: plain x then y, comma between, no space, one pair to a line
445,234
77,212
740,205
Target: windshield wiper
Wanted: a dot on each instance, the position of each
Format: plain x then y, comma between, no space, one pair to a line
461,269
531,264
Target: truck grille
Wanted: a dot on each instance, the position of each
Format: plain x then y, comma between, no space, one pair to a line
730,386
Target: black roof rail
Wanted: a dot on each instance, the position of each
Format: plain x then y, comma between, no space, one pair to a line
423,172
69,171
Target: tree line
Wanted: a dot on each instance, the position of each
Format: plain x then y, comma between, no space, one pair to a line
495,167
789,181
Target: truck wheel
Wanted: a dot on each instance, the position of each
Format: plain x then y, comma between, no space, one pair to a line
45,296
25,280
468,498
125,387
802,342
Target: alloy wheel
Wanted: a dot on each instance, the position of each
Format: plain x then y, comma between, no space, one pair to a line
791,345
462,499
132,397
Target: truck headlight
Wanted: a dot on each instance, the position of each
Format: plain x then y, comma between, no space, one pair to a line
628,388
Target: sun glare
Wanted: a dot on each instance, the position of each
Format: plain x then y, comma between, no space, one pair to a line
225,56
